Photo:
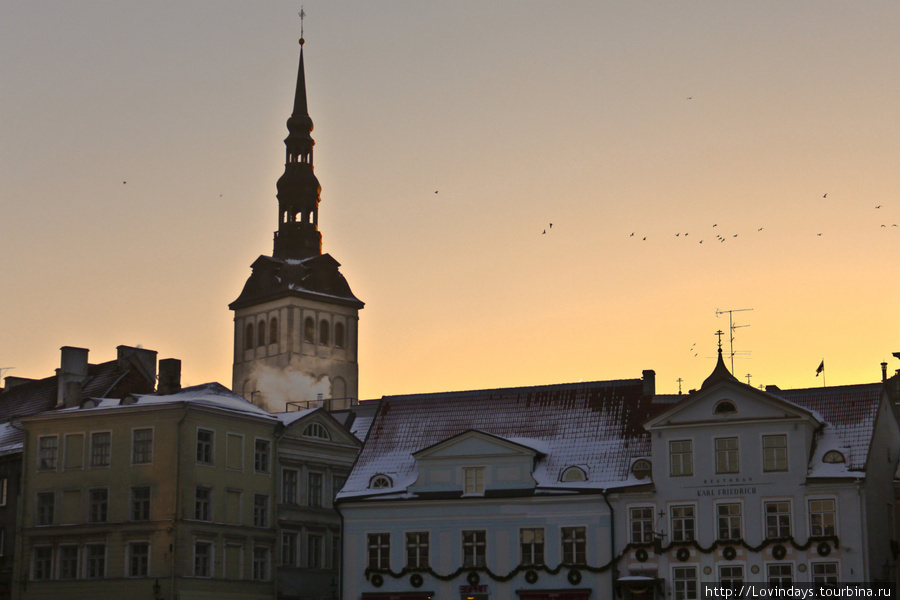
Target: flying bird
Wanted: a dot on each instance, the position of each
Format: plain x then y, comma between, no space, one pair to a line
645,239
551,225
819,234
823,195
632,234
545,232
879,206
760,229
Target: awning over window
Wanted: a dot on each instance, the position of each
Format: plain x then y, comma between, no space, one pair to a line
576,594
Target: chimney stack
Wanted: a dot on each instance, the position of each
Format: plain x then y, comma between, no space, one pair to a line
649,377
169,376
73,368
883,372
73,394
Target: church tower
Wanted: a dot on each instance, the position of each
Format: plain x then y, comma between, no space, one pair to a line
296,320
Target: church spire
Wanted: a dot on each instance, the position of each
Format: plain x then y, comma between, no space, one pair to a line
298,188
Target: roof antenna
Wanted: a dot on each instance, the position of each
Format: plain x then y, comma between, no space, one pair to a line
731,327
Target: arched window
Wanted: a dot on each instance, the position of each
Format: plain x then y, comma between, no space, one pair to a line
316,430
573,474
338,335
641,468
261,333
380,482
834,457
248,338
323,332
309,330
273,330
725,407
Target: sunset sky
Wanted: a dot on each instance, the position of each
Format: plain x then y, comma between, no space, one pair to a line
140,143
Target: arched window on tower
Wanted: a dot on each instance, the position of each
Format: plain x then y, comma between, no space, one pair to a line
309,330
323,332
248,338
273,330
338,335
261,333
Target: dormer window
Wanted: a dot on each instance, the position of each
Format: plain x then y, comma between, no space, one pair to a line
573,474
316,430
641,468
833,457
725,407
380,482
474,481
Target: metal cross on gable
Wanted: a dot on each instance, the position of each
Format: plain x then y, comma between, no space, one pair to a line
720,333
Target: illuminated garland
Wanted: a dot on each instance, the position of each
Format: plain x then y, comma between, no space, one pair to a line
376,576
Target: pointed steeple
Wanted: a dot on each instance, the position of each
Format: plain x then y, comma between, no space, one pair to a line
298,233
721,372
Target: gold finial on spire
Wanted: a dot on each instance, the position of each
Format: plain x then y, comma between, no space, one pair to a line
302,14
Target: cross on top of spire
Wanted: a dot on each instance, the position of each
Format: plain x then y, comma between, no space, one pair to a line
302,14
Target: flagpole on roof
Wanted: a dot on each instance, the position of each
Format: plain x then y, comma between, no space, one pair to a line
821,369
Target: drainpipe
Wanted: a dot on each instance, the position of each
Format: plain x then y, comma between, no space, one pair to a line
612,545
176,530
864,530
20,513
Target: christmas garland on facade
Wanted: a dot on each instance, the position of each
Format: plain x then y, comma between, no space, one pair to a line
376,576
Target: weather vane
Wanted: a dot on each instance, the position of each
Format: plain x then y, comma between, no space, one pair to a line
302,14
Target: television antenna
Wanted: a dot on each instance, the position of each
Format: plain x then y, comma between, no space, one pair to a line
732,327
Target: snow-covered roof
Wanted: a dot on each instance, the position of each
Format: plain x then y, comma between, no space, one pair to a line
595,424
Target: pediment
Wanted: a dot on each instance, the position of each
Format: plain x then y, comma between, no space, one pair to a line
728,401
475,443
310,426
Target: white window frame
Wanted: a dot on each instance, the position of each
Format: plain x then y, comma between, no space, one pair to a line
382,548
573,545
415,543
48,457
646,536
210,558
777,460
88,558
740,515
473,480
206,447
477,548
680,585
533,551
673,518
685,468
730,455
129,550
134,445
268,456
294,496
765,504
810,513
780,577
94,446
290,549
34,563
59,566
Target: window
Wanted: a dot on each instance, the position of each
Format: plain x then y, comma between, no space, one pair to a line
531,543
380,482
289,486
573,474
248,338
725,407
141,446
42,563
474,548
309,330
641,525
727,455
338,335
323,333
45,506
96,561
728,518
4,490
315,543
261,456
641,468
203,559
273,330
68,562
833,457
205,439
775,453
684,583
314,490
379,550
316,430
288,549
681,458
474,477
337,484
203,504
100,449
574,545
731,576
140,504
48,453
138,559
260,510
779,573
261,334
778,519
821,517
99,505
825,572
683,523
260,563
417,550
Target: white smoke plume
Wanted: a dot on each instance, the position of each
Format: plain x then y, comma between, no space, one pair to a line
278,387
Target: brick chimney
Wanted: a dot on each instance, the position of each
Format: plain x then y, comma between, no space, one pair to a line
73,369
169,376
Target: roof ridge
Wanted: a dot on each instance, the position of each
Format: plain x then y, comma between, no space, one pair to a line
540,387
